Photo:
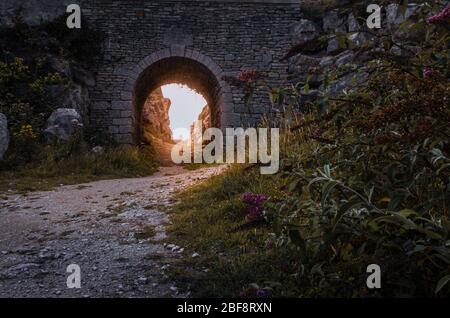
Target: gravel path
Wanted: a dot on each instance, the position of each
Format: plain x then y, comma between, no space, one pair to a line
99,226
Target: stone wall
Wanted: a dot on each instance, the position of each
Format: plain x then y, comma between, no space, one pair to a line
198,42
225,37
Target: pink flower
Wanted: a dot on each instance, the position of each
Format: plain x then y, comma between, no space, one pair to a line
254,211
248,76
431,73
442,16
255,199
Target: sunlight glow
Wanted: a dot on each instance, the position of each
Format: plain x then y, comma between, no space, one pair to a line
185,109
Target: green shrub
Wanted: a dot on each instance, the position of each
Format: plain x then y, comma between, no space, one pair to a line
26,78
365,179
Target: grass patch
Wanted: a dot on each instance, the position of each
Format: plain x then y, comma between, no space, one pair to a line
147,232
120,162
204,222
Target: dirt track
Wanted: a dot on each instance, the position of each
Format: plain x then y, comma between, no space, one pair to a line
94,226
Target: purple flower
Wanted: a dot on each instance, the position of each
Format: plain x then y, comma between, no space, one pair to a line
254,199
255,293
254,211
440,17
318,133
254,214
431,73
262,293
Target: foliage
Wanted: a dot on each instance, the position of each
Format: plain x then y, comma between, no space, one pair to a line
28,78
365,177
377,185
81,45
249,80
210,221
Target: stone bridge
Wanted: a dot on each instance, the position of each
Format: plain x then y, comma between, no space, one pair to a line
194,42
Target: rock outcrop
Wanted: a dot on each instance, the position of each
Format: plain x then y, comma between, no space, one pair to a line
62,124
155,117
156,126
205,119
336,54
4,135
74,93
74,96
305,30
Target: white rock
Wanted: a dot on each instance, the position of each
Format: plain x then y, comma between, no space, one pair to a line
305,30
62,124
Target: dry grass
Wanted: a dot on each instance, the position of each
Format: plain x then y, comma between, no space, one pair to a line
121,162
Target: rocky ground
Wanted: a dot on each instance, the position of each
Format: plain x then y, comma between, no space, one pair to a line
103,227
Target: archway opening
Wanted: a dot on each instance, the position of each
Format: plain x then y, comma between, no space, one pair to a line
168,117
187,106
169,96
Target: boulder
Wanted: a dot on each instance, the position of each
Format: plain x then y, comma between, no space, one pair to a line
327,61
359,38
345,58
4,135
346,82
305,30
394,16
98,150
334,21
301,65
62,124
333,46
76,97
353,24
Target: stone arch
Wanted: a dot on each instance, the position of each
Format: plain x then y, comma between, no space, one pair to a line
177,65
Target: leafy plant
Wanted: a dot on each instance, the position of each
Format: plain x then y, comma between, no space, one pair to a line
365,176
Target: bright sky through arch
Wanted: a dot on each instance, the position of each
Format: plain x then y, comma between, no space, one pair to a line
184,110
